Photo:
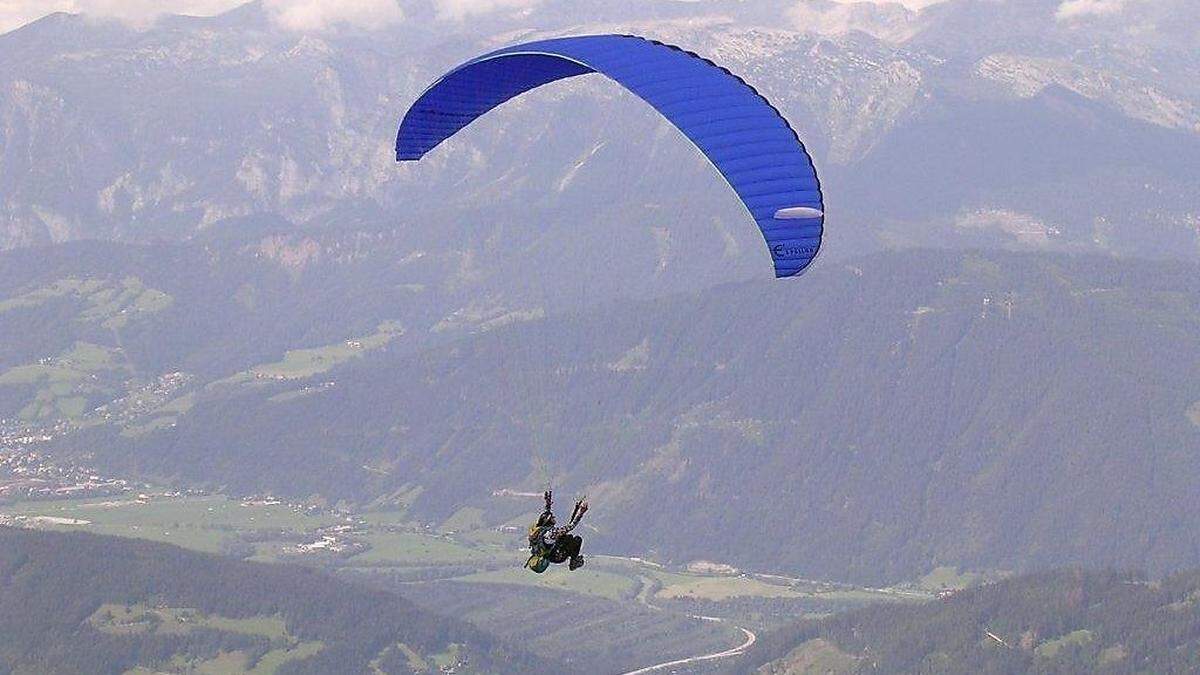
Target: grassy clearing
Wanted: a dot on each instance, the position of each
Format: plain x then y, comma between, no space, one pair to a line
588,581
272,660
141,619
68,368
814,656
464,520
238,663
58,289
397,518
64,381
266,626
1050,648
225,663
394,505
948,578
677,586
404,548
303,363
490,538
416,663
123,619
198,523
112,304
178,406
448,658
684,585
207,523
37,374
156,424
293,394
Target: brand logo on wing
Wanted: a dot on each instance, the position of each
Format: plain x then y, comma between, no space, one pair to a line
792,251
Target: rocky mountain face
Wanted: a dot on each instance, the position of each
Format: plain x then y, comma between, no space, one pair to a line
1007,124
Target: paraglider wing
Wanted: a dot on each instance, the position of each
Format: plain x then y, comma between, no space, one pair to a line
738,130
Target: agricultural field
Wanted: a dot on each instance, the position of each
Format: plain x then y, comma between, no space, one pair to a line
201,523
411,548
600,583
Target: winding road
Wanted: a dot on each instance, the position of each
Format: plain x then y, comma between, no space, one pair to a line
750,639
643,597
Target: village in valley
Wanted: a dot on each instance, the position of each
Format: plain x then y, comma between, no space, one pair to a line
31,475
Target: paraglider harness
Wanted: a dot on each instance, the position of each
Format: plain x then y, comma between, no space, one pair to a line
541,554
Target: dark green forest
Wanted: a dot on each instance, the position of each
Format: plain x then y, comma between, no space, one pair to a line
1068,621
51,583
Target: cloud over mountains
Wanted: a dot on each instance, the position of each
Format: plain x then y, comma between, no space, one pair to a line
301,15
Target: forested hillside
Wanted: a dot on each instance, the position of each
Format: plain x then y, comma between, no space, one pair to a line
78,603
1054,622
878,417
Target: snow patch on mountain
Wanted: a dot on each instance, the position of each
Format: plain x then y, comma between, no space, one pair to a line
1027,76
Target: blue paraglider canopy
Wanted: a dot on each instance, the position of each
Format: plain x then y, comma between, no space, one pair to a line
738,130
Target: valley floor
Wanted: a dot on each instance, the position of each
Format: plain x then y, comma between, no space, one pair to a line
615,615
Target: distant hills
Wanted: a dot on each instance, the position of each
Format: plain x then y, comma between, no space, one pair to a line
78,603
1054,622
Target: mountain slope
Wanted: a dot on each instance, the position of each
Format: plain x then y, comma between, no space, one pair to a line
1055,622
881,419
77,603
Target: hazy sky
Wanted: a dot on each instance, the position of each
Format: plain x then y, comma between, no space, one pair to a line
297,14
1077,8
318,14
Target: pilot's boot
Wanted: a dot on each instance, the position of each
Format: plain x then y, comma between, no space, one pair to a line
576,563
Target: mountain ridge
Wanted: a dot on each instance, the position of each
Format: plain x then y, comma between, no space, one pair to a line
852,96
